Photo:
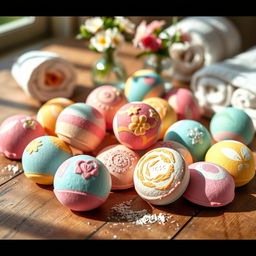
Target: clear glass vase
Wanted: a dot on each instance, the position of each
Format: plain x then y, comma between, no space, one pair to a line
109,70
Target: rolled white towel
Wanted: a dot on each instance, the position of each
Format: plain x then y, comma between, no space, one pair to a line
45,75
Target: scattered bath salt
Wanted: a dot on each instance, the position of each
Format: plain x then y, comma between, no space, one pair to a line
12,168
151,218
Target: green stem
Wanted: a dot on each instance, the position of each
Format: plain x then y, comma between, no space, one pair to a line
158,64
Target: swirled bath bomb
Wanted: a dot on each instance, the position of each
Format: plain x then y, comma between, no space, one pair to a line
161,176
176,146
82,183
184,103
107,99
137,125
232,124
81,126
235,157
120,162
166,112
143,84
42,157
210,185
49,112
191,134
15,134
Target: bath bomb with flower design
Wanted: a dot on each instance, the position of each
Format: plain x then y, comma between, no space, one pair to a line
137,125
210,185
42,157
107,99
82,183
235,157
191,134
143,84
161,176
184,103
120,162
232,124
15,134
49,112
81,126
167,114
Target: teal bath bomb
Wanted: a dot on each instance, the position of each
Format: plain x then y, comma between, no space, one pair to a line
191,134
232,124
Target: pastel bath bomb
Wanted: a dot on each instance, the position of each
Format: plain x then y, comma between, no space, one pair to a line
42,157
49,112
184,103
120,162
137,125
232,124
82,183
235,157
161,176
210,185
143,84
81,126
107,99
191,134
15,134
176,146
166,112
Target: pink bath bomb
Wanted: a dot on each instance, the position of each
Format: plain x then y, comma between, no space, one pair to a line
184,104
16,132
137,125
107,99
120,162
210,185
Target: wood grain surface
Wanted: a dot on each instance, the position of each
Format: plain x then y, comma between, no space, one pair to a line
31,211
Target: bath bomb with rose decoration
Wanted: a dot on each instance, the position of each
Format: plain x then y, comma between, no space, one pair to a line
137,125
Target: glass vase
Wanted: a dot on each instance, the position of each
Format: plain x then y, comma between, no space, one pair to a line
109,70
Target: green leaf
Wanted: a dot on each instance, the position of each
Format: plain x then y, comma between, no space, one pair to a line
144,53
85,33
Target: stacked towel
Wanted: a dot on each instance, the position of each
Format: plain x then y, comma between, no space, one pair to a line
228,83
44,75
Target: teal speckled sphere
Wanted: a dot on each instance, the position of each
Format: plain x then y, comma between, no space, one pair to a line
191,134
232,124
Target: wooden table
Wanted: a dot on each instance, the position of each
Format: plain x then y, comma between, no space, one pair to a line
31,211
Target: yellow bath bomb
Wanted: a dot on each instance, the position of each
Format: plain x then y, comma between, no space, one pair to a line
167,114
49,112
235,157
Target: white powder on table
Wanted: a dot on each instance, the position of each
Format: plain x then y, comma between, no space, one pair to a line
12,168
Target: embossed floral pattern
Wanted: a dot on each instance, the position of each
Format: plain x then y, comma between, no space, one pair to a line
139,125
87,168
28,122
133,110
33,146
196,135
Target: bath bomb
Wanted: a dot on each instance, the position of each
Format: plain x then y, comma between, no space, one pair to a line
191,134
137,125
235,157
15,134
232,124
81,126
166,112
107,99
42,157
176,146
161,176
210,185
120,162
49,112
82,183
143,84
184,103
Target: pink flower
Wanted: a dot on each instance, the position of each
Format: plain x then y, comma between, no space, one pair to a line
140,33
156,24
185,37
87,168
151,42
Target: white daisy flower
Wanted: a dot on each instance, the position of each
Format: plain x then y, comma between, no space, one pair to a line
125,24
115,36
93,25
101,41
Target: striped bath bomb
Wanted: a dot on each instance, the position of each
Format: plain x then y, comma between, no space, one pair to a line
81,126
143,84
82,183
15,134
137,125
42,157
49,112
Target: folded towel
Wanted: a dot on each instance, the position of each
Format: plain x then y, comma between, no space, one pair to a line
231,82
44,75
